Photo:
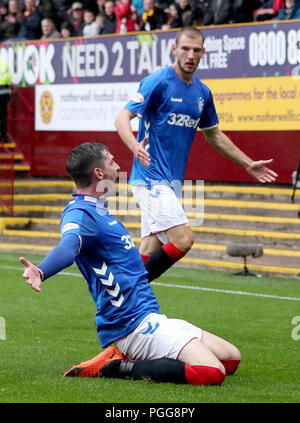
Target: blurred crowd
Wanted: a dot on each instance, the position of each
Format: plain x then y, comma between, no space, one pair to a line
52,19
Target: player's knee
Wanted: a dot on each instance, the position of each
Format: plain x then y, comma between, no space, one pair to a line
233,360
189,241
238,355
234,353
185,242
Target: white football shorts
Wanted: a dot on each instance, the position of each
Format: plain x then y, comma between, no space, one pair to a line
158,336
160,210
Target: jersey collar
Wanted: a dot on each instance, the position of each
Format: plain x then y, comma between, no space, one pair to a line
100,202
181,80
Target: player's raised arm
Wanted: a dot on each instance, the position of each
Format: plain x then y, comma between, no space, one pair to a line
122,124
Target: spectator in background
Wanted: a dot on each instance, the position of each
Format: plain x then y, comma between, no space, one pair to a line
11,21
196,18
138,4
76,18
186,10
110,20
268,9
127,17
152,17
219,13
204,6
21,4
30,28
174,17
62,8
47,8
90,27
164,4
290,10
277,5
15,14
242,10
100,19
3,10
66,30
48,30
101,6
194,4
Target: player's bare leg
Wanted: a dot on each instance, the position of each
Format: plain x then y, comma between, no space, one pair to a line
157,257
228,354
149,245
182,237
212,351
209,359
196,353
221,348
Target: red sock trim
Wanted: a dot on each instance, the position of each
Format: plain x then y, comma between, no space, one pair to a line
144,258
203,375
230,365
173,252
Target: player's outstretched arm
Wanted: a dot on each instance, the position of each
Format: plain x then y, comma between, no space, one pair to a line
261,172
256,169
62,256
31,274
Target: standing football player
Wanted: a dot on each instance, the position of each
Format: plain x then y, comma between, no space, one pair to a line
172,104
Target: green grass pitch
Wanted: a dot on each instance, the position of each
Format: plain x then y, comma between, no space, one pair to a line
43,334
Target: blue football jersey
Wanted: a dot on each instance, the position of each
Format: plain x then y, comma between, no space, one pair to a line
112,267
170,111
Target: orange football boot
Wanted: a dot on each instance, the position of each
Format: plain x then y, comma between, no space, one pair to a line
92,367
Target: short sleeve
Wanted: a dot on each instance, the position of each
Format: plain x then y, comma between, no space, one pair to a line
141,99
209,118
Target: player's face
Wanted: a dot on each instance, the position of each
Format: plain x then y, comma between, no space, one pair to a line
110,168
188,53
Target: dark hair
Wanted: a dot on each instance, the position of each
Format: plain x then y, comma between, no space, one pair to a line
190,31
196,15
89,10
69,26
83,160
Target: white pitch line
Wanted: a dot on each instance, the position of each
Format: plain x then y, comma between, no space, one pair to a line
196,288
226,291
